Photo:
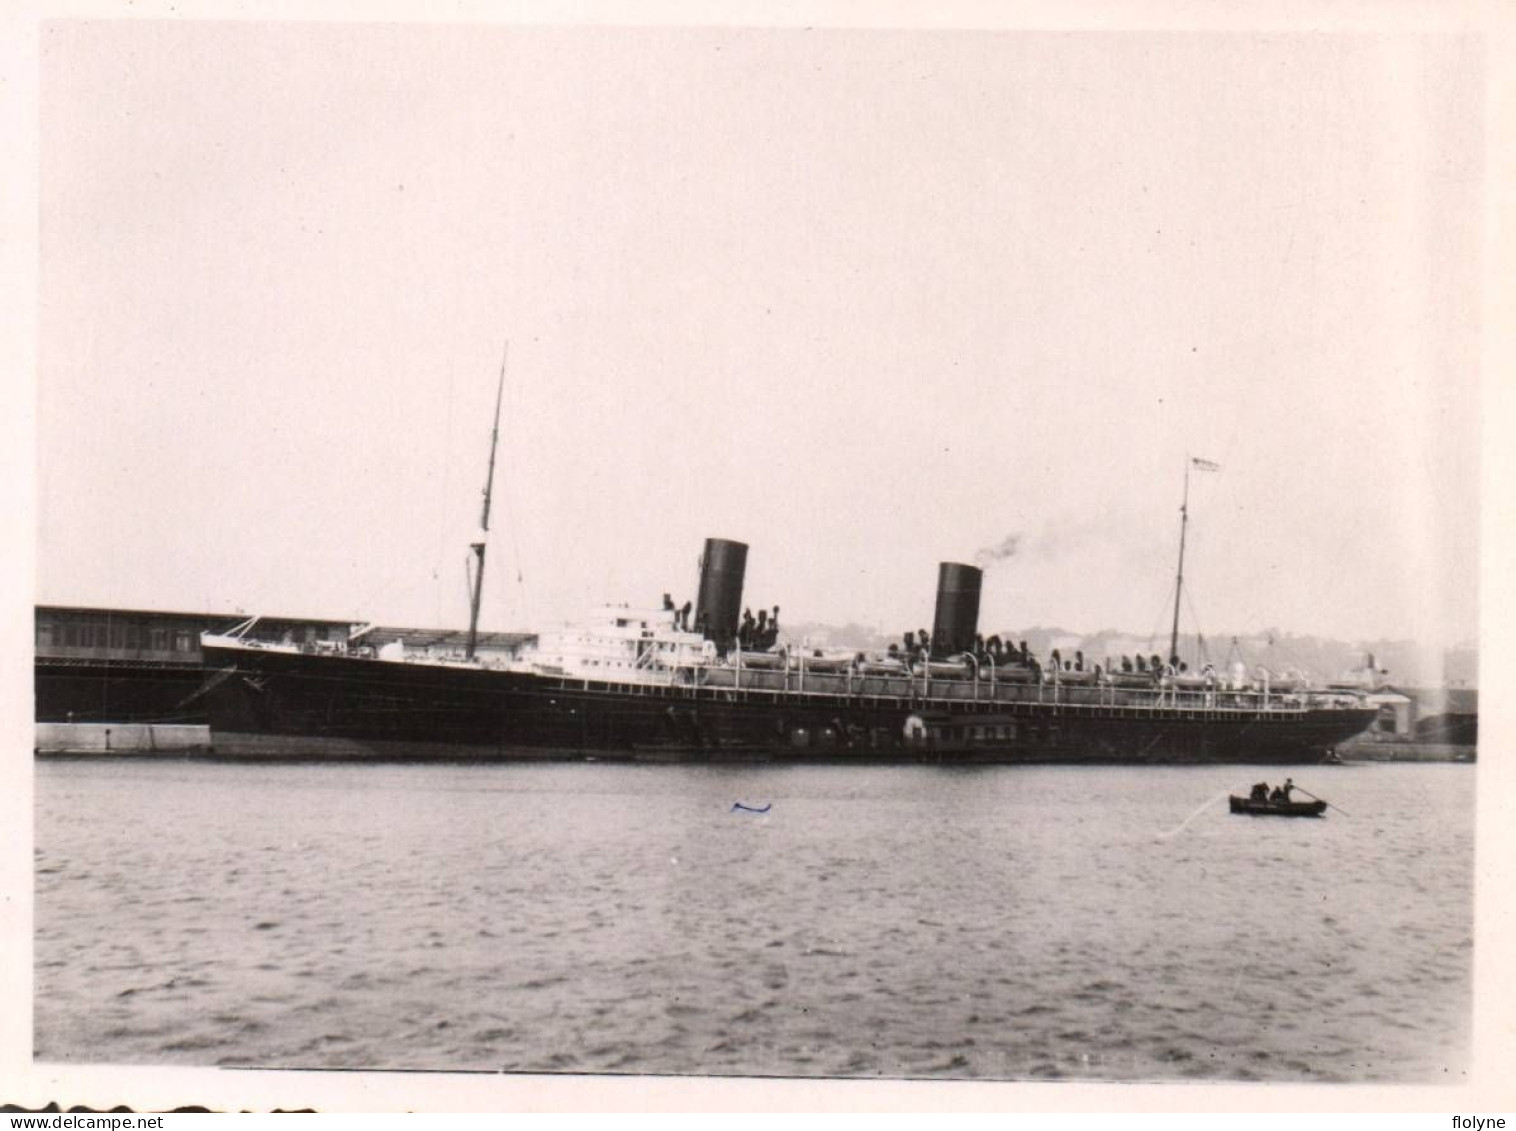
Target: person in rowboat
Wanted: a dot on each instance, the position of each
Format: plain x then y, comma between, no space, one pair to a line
1283,792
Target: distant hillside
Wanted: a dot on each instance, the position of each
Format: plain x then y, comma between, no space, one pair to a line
1405,662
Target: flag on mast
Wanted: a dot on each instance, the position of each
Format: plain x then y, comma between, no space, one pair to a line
1205,464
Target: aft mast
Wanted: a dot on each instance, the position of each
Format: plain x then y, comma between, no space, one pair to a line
476,589
1184,522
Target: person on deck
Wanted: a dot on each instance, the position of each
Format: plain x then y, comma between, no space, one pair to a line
1260,792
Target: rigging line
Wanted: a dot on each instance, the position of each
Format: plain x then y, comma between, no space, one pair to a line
1199,633
1291,655
508,500
445,490
1157,738
1235,648
1164,604
510,518
366,607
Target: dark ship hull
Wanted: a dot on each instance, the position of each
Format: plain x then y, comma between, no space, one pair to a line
283,704
648,686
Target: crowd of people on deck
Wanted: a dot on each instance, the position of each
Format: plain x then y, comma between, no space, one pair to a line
1005,654
761,634
681,613
754,633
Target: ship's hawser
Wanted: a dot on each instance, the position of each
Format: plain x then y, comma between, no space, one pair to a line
657,684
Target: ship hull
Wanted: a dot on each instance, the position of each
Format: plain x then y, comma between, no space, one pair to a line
283,705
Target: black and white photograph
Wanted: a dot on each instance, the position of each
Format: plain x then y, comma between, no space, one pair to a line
812,546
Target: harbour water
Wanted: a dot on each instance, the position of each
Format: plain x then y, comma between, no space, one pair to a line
997,922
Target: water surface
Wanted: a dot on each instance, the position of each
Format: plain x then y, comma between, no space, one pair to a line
996,922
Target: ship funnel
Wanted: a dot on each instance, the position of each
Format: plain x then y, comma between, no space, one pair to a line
957,617
719,603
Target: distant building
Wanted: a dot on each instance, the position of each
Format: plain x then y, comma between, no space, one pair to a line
102,666
1395,714
1446,714
1419,723
97,665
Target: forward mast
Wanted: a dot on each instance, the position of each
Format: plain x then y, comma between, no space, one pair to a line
478,547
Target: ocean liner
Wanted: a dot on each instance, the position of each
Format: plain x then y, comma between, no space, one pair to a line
710,684
642,684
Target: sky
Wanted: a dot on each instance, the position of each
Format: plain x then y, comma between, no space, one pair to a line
867,300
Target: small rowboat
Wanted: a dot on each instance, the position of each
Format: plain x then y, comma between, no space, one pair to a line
1277,808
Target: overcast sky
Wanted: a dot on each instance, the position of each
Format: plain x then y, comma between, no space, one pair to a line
866,300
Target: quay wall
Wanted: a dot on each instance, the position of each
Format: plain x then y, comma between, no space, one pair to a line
121,738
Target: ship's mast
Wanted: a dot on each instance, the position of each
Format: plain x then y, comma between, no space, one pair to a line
1184,521
476,590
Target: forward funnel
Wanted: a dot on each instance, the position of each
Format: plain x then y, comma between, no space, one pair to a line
719,602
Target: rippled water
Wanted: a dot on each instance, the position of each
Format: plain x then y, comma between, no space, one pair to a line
903,921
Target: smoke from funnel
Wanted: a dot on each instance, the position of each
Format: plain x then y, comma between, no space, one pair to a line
1003,550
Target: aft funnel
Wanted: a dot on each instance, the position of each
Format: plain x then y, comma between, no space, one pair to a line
957,617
